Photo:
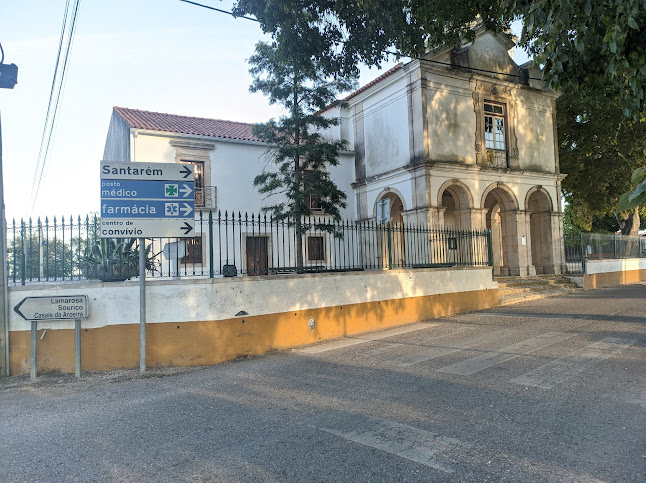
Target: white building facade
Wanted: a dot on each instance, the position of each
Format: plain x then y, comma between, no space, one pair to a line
462,138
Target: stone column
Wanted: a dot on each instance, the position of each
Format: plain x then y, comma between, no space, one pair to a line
497,245
515,244
463,218
479,218
436,216
558,243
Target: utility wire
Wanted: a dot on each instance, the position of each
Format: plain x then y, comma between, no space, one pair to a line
61,84
51,97
446,64
219,10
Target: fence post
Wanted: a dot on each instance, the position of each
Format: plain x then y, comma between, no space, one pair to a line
614,240
210,243
582,254
390,254
23,257
489,248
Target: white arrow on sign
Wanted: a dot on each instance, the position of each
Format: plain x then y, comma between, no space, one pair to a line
185,190
66,307
186,209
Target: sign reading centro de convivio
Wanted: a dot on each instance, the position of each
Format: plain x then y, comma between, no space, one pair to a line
68,307
147,199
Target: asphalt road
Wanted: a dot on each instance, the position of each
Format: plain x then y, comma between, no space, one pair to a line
550,390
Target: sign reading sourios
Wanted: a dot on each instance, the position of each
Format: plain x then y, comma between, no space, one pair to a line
147,199
68,307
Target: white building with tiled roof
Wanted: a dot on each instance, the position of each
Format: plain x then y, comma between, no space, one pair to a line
226,155
463,138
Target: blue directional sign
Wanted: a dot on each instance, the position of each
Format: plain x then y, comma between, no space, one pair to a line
142,208
127,189
147,199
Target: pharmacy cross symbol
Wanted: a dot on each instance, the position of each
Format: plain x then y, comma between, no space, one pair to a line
172,209
171,190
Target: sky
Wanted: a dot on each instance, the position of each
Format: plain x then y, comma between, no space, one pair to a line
156,55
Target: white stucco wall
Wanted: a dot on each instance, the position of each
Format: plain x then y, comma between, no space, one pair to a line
221,299
608,266
451,120
535,131
386,128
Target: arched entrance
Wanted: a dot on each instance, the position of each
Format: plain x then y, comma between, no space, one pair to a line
502,219
539,207
456,203
390,223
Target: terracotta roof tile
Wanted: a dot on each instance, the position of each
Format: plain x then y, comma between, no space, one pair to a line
157,121
388,73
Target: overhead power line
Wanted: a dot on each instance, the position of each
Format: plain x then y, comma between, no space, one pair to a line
219,10
55,95
446,64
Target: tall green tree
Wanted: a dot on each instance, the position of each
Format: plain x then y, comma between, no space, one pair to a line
636,197
598,149
583,45
297,175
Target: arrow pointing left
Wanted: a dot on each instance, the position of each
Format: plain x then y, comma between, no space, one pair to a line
66,307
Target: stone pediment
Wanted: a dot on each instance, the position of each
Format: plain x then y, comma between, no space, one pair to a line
489,52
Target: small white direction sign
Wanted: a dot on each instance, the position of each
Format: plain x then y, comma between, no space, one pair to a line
64,307
161,227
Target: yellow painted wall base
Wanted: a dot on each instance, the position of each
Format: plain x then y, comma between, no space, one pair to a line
211,342
610,279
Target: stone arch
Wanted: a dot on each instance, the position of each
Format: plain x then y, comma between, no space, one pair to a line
541,237
391,240
502,218
459,190
394,195
548,198
503,194
455,200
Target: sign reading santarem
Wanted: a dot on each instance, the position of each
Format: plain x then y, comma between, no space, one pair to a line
147,200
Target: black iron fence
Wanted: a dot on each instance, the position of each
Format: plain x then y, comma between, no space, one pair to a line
596,246
232,244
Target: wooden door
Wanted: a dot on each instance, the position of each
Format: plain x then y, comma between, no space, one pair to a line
257,260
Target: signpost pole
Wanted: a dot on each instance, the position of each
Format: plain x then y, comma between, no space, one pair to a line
4,304
77,347
142,305
146,200
66,307
34,341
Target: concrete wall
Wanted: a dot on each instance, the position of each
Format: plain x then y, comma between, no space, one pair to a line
194,322
608,273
